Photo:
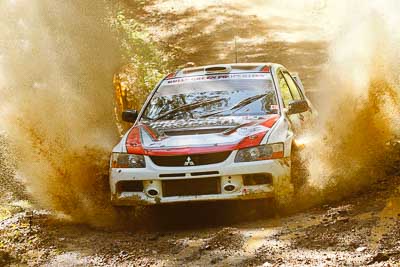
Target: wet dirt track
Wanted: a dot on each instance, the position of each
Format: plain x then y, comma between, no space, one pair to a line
362,229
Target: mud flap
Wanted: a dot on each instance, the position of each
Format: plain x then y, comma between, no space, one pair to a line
283,192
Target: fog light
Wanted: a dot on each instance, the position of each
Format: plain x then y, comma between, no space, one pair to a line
130,186
257,179
229,187
152,192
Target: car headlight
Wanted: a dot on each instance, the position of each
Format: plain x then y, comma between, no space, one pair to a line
123,160
263,152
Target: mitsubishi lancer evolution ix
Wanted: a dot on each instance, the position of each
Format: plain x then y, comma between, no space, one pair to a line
219,132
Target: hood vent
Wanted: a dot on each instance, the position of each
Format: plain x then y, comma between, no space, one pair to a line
178,132
218,69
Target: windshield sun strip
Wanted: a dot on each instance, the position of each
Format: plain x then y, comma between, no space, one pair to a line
211,74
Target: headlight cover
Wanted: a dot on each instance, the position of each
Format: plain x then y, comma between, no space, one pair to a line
263,152
123,160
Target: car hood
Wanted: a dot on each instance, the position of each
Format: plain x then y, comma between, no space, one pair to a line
198,135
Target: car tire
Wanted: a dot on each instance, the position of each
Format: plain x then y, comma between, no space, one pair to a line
298,170
286,187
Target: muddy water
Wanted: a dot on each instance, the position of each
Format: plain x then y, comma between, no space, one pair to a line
56,67
57,61
361,99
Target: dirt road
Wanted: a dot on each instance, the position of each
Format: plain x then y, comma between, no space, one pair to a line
362,230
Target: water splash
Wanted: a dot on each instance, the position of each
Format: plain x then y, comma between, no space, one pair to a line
56,66
360,98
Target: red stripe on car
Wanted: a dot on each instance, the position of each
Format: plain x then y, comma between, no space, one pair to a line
271,121
134,144
190,150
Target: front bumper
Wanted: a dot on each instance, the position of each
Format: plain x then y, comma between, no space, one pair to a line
227,173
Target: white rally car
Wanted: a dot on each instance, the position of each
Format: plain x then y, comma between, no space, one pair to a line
210,133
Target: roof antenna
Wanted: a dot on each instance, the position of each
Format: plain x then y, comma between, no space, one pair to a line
236,52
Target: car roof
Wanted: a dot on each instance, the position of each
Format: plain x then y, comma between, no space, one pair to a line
223,68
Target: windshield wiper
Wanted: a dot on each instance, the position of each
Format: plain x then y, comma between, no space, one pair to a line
238,105
247,101
187,107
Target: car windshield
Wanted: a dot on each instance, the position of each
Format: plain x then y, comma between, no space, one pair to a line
213,95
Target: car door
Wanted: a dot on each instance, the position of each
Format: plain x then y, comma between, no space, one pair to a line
297,94
290,92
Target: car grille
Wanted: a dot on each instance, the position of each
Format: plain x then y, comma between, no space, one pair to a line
197,160
191,187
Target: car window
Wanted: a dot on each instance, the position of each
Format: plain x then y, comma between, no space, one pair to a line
285,90
214,96
292,86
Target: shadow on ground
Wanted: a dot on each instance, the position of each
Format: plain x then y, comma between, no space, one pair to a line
190,216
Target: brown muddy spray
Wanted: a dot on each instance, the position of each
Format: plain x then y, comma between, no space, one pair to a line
56,65
361,104
57,59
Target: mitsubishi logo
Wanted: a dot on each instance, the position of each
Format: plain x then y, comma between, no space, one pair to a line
189,162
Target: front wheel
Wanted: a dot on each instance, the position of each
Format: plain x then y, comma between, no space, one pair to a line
286,187
298,169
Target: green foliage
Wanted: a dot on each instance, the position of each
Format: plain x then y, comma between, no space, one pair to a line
139,49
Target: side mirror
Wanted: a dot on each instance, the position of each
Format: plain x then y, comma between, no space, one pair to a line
130,115
297,106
